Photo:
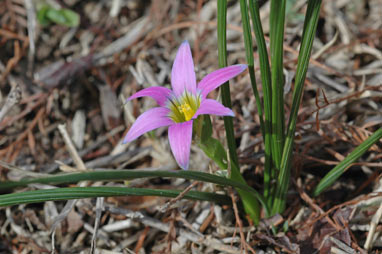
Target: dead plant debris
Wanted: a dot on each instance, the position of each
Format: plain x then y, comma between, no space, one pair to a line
53,75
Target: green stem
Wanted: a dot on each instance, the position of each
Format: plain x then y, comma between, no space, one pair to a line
250,60
267,91
250,203
277,21
310,26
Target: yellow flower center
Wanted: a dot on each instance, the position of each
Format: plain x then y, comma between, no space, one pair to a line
184,107
187,111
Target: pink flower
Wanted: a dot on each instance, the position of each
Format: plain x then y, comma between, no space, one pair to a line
183,104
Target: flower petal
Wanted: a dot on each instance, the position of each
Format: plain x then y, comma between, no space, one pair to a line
212,107
218,77
150,120
182,73
180,136
158,93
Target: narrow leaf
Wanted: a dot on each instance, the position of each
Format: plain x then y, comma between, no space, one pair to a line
249,55
277,22
120,175
267,92
338,170
37,196
251,205
310,26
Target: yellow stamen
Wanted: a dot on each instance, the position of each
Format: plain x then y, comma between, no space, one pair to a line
187,111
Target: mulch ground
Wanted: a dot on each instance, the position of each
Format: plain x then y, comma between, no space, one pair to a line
80,77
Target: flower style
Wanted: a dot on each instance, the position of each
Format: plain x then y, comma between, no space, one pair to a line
183,104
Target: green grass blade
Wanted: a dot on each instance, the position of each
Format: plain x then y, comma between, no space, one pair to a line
225,90
338,170
120,175
37,196
250,203
250,60
310,26
277,21
267,91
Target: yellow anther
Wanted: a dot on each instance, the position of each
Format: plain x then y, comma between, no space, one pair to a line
187,111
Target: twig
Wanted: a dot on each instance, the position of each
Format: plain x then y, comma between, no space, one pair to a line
188,225
124,158
115,8
141,240
99,208
88,149
13,98
20,172
63,214
40,99
31,16
318,209
342,245
373,225
325,47
136,30
238,221
81,167
166,206
71,148
335,250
